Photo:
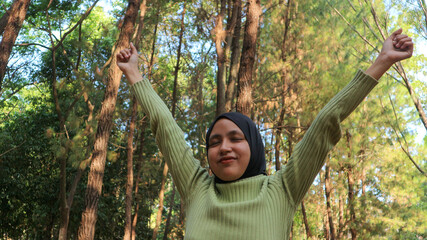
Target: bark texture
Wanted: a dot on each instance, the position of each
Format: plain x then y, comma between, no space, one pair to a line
304,216
129,184
247,60
219,38
235,55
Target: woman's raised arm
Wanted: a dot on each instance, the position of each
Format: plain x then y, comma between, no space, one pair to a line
324,133
185,170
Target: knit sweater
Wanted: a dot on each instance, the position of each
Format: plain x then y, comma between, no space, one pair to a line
260,207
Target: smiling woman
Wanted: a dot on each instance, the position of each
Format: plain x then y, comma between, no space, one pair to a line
232,153
240,201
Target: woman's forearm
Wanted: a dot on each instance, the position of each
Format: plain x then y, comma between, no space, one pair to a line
133,77
379,67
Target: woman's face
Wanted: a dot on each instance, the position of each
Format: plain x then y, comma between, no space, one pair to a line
229,152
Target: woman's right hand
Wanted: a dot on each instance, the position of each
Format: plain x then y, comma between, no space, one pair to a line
127,61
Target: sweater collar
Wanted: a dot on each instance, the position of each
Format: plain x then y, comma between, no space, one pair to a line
241,190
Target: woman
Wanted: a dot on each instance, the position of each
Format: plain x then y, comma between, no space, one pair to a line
240,201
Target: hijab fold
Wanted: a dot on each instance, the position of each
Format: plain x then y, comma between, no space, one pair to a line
257,163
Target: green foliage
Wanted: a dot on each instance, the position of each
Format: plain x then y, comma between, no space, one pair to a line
322,55
29,185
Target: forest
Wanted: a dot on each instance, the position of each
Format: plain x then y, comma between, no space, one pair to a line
78,159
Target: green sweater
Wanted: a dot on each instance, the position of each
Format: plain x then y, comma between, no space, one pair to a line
260,207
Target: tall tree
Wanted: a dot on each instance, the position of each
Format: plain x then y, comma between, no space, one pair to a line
328,190
173,110
223,41
351,195
15,18
247,60
285,81
174,103
96,174
138,178
129,231
235,54
129,177
219,39
63,115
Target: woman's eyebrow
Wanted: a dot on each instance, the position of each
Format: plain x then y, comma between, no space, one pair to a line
215,136
235,132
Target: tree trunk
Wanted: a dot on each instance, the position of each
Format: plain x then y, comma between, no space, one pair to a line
64,208
423,6
161,199
140,26
325,227
304,215
223,42
66,203
140,158
341,221
153,48
17,14
96,174
247,60
219,38
351,199
328,190
235,55
174,102
129,184
138,179
4,19
285,86
168,219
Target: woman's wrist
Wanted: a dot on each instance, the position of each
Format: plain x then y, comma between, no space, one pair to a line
133,77
380,66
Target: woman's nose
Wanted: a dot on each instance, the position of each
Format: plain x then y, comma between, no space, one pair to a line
225,146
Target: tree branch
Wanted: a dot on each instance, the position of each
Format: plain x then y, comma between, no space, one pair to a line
33,44
397,132
353,28
83,17
12,148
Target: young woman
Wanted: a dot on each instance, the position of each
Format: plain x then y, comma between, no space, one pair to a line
240,201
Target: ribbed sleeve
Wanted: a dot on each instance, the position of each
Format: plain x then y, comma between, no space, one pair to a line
185,170
309,154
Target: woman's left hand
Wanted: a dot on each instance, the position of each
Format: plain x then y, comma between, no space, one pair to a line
397,47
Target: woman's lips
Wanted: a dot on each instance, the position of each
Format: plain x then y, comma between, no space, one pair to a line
226,160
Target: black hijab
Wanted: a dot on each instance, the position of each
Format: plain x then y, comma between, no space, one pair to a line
257,163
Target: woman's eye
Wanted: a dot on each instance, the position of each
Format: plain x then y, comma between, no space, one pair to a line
214,143
236,139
